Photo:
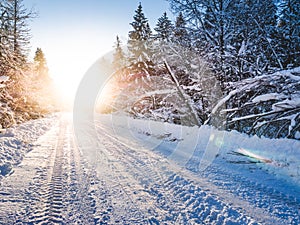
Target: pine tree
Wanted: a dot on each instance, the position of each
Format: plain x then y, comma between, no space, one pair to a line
140,44
19,90
40,63
5,56
164,28
19,33
118,57
181,35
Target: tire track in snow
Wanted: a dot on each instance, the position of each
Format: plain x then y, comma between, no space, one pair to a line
59,191
57,183
81,199
28,183
269,198
124,206
177,195
135,173
47,190
130,186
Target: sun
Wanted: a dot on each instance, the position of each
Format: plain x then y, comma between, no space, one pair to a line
65,84
68,60
65,89
67,71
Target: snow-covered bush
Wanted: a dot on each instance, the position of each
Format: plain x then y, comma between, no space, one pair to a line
182,90
6,106
199,85
267,105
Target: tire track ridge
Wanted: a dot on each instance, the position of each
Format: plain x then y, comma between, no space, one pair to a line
178,190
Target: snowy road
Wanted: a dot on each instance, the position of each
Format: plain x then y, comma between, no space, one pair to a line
57,183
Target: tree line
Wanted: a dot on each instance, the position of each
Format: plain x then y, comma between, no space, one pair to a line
22,81
190,71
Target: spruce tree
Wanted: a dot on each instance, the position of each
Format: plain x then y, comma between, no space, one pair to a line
5,52
140,44
181,35
118,57
19,33
20,88
40,63
164,28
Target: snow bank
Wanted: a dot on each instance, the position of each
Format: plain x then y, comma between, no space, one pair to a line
17,140
197,148
4,78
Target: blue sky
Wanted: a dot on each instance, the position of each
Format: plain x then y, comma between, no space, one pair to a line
74,33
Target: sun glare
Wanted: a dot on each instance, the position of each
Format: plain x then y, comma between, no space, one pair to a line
67,72
106,97
66,82
68,63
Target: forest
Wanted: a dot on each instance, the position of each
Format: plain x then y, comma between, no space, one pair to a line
24,83
232,64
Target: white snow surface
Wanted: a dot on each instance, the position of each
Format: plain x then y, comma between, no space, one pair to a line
16,141
122,170
266,97
4,78
215,146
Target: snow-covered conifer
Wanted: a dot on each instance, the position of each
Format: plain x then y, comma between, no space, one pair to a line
164,28
140,44
119,56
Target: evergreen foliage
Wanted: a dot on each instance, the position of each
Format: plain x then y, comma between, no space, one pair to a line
213,65
20,81
17,18
140,44
40,63
119,60
164,28
181,35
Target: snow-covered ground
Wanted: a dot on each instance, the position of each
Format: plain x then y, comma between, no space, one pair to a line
248,167
119,170
196,148
18,140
